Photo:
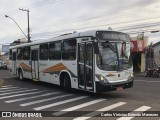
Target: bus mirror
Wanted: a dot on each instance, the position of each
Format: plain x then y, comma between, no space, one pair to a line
96,49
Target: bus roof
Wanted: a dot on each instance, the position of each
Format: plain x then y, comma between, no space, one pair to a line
61,37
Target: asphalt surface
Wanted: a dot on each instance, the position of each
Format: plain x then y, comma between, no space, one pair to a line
27,95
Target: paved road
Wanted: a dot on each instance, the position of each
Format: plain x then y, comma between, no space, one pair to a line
16,95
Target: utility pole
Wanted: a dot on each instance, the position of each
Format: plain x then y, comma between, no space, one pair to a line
28,22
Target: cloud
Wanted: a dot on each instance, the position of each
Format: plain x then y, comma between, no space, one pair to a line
52,17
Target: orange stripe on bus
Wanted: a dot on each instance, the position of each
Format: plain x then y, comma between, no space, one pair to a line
25,66
54,68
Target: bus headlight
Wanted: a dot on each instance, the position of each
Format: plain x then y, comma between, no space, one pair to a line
131,75
101,78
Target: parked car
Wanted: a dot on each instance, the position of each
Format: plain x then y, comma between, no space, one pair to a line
3,65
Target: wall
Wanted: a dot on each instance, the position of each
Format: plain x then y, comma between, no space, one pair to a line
157,53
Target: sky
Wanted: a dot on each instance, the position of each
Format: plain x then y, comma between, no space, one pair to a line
49,18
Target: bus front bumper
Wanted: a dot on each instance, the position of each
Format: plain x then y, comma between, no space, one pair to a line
104,87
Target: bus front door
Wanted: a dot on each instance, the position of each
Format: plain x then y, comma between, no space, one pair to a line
85,66
34,65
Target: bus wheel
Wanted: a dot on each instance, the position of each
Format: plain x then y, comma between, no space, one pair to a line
67,83
20,74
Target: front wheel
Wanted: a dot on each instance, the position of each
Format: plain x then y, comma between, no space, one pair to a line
20,75
67,83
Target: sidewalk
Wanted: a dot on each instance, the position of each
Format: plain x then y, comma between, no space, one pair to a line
138,74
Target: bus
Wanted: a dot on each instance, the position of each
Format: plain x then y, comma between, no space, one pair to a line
94,61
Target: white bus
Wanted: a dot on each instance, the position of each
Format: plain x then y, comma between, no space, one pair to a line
95,61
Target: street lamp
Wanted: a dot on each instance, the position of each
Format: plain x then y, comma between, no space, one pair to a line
17,25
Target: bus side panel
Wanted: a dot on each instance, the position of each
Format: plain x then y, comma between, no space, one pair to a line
43,75
72,69
26,69
20,64
50,71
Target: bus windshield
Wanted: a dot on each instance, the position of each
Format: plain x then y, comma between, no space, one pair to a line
114,56
124,56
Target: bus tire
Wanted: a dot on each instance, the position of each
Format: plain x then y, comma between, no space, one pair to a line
20,75
67,83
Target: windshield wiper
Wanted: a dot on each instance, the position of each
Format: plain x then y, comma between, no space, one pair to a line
112,48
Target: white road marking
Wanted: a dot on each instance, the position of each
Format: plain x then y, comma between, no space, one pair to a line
26,98
20,95
18,92
43,100
78,107
8,88
84,117
6,85
147,81
143,108
59,103
13,90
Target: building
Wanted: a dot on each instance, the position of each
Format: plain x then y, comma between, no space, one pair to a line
149,56
156,49
4,55
138,47
19,41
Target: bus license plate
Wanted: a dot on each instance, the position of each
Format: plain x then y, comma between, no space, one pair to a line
119,88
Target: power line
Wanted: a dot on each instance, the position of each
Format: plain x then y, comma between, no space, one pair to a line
44,3
41,3
34,5
144,30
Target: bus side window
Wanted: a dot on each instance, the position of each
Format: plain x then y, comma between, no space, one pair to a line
19,54
44,52
26,53
14,56
69,49
10,54
55,51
